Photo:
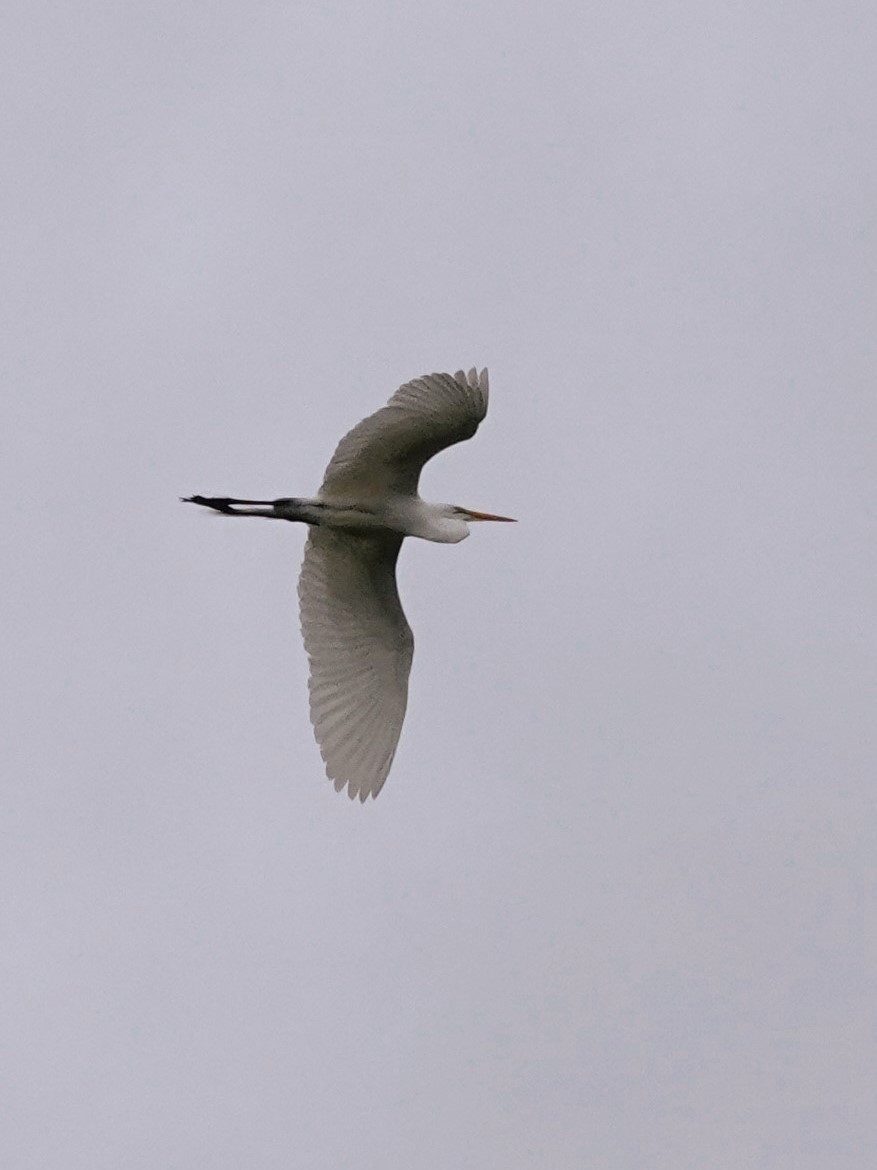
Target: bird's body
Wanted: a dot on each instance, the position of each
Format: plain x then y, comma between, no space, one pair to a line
356,635
407,515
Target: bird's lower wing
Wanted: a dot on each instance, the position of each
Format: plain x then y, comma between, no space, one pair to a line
360,648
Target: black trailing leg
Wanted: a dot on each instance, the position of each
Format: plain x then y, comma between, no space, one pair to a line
230,507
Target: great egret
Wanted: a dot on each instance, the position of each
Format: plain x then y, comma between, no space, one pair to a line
356,636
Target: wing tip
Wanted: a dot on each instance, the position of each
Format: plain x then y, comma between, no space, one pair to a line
479,382
356,791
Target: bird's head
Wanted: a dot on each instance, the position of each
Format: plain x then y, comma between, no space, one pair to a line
447,523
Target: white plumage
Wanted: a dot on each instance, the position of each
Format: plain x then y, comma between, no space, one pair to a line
384,454
360,648
357,638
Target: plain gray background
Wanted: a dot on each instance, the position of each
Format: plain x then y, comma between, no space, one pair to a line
610,909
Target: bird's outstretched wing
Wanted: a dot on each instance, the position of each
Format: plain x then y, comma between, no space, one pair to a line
384,453
360,648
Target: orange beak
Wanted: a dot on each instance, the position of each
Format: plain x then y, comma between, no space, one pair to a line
487,516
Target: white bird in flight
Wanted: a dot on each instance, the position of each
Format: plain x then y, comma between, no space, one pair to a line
357,639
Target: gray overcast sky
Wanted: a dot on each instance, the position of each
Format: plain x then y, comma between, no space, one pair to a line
610,909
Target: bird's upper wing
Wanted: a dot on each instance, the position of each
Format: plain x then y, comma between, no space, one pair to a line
385,452
360,648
